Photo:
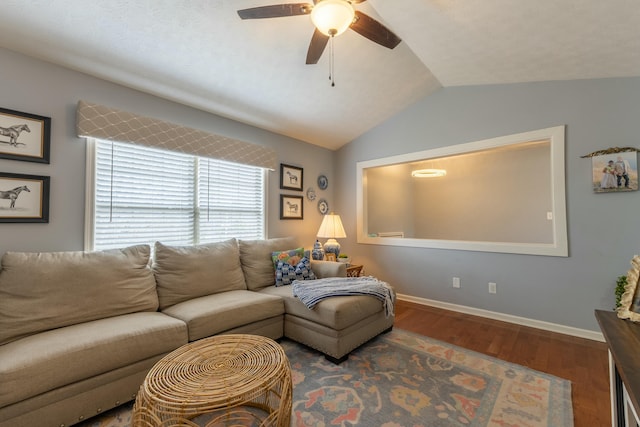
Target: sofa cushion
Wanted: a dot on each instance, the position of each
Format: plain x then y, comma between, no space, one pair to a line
213,314
336,312
53,359
42,291
255,256
186,272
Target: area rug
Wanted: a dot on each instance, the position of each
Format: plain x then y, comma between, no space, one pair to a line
401,379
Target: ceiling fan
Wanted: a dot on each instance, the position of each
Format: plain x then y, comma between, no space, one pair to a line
331,18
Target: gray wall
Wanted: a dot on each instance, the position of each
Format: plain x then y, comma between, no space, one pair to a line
603,229
37,87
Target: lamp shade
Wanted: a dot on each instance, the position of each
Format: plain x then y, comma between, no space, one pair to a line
332,17
331,227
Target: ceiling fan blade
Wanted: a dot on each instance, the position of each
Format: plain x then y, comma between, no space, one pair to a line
373,30
316,47
276,11
358,1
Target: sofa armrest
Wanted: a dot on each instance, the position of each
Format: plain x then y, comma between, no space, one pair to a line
324,269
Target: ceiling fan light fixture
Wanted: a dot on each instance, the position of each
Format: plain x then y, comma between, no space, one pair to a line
332,17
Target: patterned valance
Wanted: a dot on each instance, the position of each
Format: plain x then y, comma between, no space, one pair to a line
98,121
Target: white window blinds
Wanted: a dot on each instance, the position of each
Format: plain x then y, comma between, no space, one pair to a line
143,195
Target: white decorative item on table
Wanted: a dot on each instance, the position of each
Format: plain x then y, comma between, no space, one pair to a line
317,253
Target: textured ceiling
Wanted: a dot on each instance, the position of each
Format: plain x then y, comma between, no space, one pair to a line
200,53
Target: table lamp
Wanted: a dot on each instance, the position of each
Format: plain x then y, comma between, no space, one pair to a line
331,228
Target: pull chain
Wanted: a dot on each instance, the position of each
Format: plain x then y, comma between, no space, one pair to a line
331,71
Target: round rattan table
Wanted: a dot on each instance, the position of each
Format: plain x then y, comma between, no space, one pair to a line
234,379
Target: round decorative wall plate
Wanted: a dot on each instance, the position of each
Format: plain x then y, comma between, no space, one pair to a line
311,194
323,206
323,182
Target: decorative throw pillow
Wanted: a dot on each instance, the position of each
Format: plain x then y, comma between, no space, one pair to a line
304,271
287,273
291,257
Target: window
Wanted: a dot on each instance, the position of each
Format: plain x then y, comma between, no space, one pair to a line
504,194
141,195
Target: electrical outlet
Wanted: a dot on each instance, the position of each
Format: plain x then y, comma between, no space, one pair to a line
492,288
456,282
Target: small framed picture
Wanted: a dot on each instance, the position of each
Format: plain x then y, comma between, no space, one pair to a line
615,172
290,177
291,207
24,136
24,198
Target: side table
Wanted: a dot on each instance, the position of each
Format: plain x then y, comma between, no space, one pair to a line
354,270
231,378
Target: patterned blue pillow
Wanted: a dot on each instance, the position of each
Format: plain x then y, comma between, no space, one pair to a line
287,273
304,271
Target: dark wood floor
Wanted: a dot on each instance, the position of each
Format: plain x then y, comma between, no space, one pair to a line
581,361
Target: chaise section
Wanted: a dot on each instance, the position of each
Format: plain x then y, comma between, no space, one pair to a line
336,325
337,312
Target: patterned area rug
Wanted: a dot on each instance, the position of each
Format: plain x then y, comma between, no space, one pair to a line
401,379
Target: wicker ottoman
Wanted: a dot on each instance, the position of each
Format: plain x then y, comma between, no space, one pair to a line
233,378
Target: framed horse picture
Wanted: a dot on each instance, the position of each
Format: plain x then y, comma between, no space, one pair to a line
24,136
24,198
290,177
291,207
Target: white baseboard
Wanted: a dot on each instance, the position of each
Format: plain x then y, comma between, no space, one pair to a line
553,327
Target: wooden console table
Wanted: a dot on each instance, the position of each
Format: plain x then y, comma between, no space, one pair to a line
623,340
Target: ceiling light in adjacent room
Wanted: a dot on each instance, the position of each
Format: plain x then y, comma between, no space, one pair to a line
428,173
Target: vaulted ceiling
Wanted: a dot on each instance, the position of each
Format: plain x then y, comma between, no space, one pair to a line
200,53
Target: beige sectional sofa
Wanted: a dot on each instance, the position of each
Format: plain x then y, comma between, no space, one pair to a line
79,331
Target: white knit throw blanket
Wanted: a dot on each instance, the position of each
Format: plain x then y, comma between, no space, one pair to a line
311,292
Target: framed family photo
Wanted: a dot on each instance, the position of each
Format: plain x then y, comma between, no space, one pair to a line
615,172
24,198
291,207
290,177
24,136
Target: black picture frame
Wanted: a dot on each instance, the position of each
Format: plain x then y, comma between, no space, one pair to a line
291,207
24,198
24,136
291,177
